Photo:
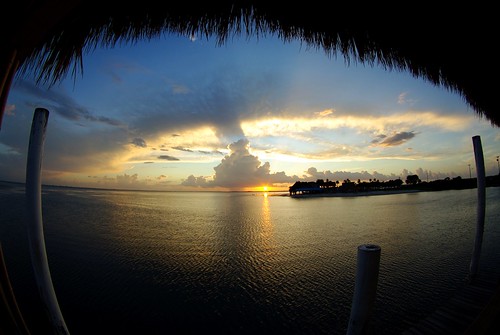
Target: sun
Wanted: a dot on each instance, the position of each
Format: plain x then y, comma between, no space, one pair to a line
264,188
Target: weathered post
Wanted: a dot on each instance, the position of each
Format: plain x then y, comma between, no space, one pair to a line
481,206
365,288
35,224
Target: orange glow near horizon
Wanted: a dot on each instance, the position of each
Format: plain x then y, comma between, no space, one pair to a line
266,188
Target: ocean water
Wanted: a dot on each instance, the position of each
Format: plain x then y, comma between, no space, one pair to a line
130,262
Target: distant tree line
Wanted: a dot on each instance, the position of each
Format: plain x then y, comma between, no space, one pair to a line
347,186
411,182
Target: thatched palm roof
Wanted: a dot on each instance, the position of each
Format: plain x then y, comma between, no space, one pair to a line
453,49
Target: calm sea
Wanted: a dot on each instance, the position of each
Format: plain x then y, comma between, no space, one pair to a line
128,262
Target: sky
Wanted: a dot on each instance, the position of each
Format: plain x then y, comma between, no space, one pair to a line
184,113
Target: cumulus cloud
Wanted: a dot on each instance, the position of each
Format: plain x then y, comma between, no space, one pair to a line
195,181
239,169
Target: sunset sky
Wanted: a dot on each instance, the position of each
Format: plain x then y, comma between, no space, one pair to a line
179,113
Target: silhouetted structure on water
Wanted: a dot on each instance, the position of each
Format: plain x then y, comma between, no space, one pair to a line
412,182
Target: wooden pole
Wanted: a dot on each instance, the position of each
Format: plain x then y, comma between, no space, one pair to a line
481,206
365,288
35,224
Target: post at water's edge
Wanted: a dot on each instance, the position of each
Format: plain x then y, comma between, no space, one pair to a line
481,206
36,238
365,288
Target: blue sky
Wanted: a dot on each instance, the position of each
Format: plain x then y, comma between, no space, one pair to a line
179,113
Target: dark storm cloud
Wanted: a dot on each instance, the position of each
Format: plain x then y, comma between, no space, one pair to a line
57,101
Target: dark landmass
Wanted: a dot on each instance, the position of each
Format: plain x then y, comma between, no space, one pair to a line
375,187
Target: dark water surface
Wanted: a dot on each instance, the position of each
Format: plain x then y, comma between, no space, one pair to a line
127,262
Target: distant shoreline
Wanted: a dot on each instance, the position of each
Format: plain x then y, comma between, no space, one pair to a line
354,194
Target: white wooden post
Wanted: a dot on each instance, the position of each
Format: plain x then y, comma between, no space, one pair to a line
365,288
35,224
481,206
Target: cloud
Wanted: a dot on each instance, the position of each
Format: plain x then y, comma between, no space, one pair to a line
378,138
312,174
57,101
195,181
397,139
116,69
220,104
325,112
306,126
180,89
139,142
239,169
126,179
168,158
403,99
182,149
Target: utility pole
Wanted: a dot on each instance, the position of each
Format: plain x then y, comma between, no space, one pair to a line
498,163
470,173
